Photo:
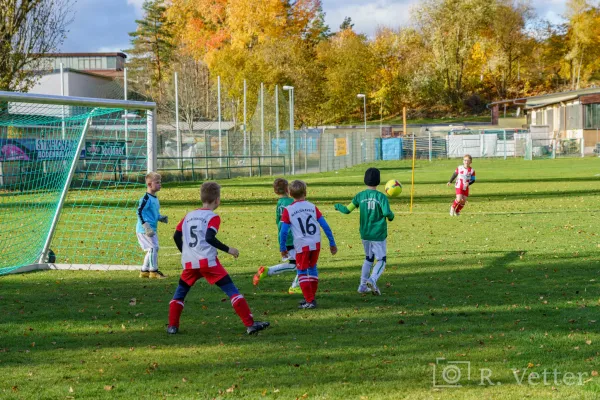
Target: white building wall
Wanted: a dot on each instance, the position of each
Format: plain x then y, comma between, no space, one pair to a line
76,84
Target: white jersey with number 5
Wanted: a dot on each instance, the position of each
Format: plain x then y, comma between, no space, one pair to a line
303,217
196,252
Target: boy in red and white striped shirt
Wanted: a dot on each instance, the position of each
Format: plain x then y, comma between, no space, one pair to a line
195,237
465,177
305,221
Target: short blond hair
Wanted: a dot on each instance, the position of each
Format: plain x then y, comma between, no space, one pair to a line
153,177
280,186
468,156
210,192
298,189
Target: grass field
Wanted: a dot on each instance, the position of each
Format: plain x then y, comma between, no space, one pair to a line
512,286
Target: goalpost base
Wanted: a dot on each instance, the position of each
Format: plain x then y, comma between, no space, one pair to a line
75,267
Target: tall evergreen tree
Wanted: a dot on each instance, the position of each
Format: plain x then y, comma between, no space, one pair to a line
153,48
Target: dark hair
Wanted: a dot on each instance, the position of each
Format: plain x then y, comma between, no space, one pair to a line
280,186
210,192
298,189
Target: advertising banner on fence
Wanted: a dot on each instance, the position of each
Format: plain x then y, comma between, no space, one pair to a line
57,149
340,147
104,149
54,149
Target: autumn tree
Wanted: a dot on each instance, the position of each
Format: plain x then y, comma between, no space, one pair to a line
450,29
28,30
348,70
583,40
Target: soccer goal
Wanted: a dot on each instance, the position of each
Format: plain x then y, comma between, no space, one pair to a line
71,172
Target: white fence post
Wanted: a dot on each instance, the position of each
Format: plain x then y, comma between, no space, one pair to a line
505,144
430,144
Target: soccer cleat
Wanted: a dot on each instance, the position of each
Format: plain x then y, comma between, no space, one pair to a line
363,289
258,275
144,274
171,330
307,305
452,211
157,275
374,289
257,326
295,290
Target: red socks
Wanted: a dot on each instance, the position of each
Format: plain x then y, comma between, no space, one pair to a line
241,307
314,285
460,207
309,286
239,303
175,309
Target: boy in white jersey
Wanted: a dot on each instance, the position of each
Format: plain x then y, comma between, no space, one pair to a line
281,188
302,217
195,237
148,216
465,177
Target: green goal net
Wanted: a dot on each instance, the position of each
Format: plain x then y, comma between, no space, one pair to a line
71,173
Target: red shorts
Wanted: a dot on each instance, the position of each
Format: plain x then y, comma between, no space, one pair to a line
211,274
307,259
464,192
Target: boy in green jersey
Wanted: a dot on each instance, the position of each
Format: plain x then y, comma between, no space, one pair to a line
280,187
374,209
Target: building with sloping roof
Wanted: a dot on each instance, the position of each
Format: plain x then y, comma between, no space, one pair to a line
568,115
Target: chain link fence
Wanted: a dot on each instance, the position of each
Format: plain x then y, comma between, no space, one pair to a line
331,149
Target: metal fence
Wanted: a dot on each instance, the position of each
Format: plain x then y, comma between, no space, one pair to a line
329,149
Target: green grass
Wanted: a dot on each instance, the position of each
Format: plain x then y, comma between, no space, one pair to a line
512,283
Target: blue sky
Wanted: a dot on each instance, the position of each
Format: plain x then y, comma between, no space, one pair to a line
104,25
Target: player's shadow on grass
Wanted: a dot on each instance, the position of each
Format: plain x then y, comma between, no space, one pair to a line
503,294
506,259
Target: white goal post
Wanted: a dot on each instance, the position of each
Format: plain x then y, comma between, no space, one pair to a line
71,172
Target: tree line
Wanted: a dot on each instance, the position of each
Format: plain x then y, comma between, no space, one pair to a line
452,57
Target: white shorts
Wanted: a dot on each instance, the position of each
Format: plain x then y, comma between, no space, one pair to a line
291,255
147,243
375,249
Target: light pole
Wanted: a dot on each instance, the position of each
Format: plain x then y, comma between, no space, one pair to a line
291,90
364,97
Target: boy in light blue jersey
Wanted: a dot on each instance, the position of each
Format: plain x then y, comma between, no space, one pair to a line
148,216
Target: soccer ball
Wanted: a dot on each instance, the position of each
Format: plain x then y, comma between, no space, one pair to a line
393,188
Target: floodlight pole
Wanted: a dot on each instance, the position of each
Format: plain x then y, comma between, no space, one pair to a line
291,90
126,121
277,119
364,97
177,131
219,112
262,119
62,93
245,149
